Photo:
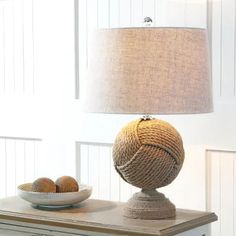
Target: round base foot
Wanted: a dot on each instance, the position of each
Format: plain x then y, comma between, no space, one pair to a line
149,205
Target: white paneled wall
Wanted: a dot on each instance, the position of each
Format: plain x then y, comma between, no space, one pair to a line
16,48
221,191
95,167
223,30
19,157
18,163
36,90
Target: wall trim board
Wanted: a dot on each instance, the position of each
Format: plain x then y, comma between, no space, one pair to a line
21,138
221,190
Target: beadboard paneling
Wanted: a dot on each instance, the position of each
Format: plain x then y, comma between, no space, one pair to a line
95,167
17,163
222,28
16,47
221,191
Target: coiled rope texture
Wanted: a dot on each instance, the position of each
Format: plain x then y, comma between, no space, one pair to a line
148,153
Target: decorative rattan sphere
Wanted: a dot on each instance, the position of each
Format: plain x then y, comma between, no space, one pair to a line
148,153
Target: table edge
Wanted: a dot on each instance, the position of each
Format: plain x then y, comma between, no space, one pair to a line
103,228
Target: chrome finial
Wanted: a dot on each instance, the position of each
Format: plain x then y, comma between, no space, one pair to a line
147,21
147,117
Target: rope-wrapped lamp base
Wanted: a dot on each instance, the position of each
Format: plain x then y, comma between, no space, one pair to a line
148,153
149,205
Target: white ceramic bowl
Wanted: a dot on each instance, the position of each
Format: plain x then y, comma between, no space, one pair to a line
53,200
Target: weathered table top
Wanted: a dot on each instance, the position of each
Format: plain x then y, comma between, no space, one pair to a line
101,216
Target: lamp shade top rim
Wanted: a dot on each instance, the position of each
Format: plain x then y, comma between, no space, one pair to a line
152,28
153,113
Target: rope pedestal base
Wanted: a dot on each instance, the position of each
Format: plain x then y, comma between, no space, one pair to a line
149,205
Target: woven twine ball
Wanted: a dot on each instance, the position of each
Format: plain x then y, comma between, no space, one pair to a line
148,153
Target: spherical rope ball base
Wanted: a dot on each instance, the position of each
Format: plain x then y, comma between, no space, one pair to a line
148,154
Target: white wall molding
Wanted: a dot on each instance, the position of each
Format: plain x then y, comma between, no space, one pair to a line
222,29
221,190
20,138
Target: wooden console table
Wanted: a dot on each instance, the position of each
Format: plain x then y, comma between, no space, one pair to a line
94,218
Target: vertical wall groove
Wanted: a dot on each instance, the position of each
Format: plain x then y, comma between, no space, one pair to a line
15,154
119,12
142,10
18,158
221,72
24,163
234,195
130,12
86,20
99,164
13,51
4,50
110,153
109,13
5,147
34,161
235,48
88,172
33,50
97,13
234,191
155,13
78,162
76,43
221,190
185,13
23,45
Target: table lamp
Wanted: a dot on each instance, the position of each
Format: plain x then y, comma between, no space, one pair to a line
148,71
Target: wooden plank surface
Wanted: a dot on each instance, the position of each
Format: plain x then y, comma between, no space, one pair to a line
101,216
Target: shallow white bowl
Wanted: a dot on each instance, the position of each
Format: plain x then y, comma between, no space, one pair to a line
53,200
